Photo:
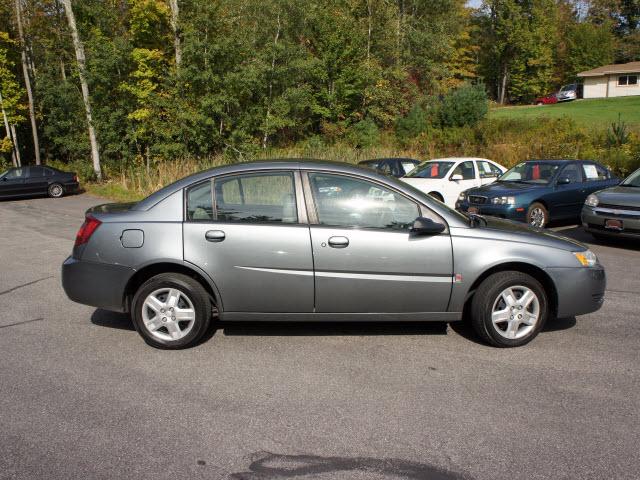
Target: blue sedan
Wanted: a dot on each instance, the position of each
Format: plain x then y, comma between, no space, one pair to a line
539,191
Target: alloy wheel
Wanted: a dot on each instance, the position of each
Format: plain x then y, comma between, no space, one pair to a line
537,217
515,312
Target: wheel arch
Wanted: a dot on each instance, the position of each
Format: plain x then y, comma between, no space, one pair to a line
437,195
147,271
528,268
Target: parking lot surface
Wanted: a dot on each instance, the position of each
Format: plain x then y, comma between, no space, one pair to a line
82,396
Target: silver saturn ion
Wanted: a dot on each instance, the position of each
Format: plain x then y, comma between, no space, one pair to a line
320,241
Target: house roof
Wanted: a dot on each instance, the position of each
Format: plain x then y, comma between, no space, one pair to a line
631,67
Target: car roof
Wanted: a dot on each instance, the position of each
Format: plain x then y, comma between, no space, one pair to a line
371,160
277,164
456,159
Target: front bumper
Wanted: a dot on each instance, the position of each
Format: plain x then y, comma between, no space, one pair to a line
96,284
579,290
510,212
594,218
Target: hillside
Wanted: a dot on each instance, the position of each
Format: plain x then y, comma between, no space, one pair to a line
596,112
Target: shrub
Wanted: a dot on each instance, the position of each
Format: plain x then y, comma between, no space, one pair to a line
413,124
364,134
466,105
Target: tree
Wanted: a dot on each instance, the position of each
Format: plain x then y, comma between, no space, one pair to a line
27,81
10,99
80,57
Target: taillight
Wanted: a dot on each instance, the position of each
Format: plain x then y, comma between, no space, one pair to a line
86,230
75,178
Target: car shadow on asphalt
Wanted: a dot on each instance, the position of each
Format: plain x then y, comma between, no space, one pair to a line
578,233
331,328
267,465
105,318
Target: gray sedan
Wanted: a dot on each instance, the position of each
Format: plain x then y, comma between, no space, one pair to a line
614,212
321,241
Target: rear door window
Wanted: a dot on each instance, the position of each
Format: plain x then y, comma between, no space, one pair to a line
256,198
594,172
200,203
466,170
488,170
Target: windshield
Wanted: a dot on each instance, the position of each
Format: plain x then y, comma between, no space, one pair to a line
531,172
632,180
430,170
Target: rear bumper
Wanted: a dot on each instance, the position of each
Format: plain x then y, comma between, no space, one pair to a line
579,290
593,220
96,284
71,187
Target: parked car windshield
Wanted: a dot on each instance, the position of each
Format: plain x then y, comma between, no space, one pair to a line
430,170
531,172
632,180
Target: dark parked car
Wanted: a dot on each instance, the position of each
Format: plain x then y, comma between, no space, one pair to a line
539,191
320,241
614,212
396,167
37,180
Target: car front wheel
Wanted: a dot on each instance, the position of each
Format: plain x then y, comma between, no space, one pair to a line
55,190
509,309
171,311
537,215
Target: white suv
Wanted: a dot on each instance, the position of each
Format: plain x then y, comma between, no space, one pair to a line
445,178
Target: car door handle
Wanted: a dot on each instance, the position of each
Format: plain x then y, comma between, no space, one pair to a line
339,242
215,236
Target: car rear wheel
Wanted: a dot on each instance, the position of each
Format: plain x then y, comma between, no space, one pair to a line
55,190
537,215
437,196
509,309
171,311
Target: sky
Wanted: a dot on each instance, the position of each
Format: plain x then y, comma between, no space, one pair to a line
474,3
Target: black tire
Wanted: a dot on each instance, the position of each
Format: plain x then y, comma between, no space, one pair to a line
536,209
437,196
55,190
488,295
188,287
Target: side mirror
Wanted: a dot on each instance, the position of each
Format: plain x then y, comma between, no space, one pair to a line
564,181
426,226
456,178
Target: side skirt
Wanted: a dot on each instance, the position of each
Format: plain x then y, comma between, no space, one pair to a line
341,317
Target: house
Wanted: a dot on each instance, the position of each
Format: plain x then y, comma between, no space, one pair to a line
612,81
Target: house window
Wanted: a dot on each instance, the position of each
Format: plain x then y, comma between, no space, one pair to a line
625,80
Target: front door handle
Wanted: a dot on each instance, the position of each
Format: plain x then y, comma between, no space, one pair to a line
214,236
339,242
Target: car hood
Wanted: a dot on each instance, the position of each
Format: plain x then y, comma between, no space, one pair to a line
521,232
620,195
503,188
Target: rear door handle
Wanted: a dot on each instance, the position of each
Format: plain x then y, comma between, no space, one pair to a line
338,242
214,236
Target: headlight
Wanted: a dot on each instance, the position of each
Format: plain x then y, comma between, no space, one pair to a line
592,201
504,200
462,197
586,258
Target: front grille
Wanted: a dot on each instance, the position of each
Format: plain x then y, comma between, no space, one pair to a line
477,199
618,207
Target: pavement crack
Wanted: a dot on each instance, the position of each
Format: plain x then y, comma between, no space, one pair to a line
25,285
20,323
619,291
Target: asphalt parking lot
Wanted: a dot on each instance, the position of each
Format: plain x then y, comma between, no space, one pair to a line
82,396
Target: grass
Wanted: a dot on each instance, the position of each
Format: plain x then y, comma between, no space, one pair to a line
588,113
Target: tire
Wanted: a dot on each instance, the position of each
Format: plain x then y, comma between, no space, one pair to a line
490,300
537,215
437,196
153,318
55,190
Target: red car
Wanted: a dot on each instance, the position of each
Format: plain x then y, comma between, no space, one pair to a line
549,99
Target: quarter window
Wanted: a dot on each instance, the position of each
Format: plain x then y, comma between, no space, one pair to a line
351,202
624,80
594,172
256,198
200,203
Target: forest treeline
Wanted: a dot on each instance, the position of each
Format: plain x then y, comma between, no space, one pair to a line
123,81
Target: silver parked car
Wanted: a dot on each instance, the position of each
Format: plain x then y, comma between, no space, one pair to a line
307,240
